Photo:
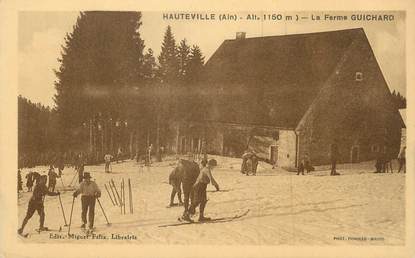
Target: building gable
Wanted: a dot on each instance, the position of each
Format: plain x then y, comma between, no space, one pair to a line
273,80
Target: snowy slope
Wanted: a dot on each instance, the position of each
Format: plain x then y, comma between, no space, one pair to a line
284,208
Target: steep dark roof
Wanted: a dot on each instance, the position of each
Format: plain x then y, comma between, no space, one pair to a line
273,80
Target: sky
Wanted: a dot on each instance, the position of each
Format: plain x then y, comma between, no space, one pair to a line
41,35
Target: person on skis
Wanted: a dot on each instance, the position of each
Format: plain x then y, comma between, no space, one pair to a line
29,181
200,198
52,178
107,158
190,171
36,204
60,164
89,191
175,180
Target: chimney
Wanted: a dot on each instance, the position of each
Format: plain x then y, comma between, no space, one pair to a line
240,35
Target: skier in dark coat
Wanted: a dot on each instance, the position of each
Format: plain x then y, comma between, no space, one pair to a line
245,157
19,181
52,179
189,171
29,181
36,177
36,204
60,164
175,180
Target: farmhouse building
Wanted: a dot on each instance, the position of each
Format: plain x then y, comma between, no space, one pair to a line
294,95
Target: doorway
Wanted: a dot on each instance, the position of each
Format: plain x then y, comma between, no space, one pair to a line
273,154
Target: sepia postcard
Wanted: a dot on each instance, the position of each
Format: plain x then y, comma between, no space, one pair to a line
235,129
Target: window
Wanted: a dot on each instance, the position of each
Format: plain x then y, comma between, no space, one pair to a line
359,76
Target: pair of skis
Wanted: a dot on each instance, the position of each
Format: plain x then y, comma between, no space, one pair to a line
214,220
26,235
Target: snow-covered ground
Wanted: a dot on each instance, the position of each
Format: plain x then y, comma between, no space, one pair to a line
314,209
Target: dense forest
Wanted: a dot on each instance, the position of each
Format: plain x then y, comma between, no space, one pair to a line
111,92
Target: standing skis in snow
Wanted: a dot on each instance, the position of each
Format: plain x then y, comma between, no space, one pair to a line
200,197
89,192
36,203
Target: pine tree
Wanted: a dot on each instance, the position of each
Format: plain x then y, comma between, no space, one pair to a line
100,65
165,88
196,62
183,51
168,61
195,103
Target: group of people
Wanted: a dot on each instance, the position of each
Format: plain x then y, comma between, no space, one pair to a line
32,177
88,189
305,165
193,179
384,162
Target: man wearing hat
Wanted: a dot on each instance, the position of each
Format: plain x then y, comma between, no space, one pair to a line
36,203
89,191
200,197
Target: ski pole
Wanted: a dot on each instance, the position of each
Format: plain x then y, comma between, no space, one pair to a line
73,178
130,196
121,201
70,218
63,211
116,191
63,185
103,212
109,194
113,194
123,195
